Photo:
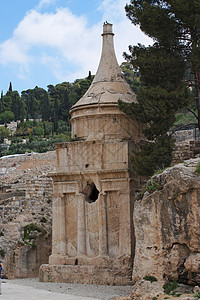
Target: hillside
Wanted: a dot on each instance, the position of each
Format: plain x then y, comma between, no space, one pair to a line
25,213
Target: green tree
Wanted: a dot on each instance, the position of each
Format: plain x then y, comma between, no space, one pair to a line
10,87
7,101
162,69
131,76
6,117
4,133
1,102
16,105
175,26
36,101
45,107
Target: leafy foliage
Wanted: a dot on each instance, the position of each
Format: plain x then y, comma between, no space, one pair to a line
169,287
150,278
6,117
46,113
151,186
131,76
168,69
175,27
198,168
183,118
196,295
35,137
4,132
153,156
51,105
30,234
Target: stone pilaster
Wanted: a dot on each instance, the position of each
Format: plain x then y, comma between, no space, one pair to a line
59,226
81,223
125,222
103,238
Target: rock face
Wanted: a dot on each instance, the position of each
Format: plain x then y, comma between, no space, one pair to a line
146,290
167,226
25,213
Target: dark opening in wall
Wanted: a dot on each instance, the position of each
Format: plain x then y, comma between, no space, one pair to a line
91,192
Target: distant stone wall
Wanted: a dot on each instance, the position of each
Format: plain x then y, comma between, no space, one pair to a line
34,201
19,208
186,135
186,150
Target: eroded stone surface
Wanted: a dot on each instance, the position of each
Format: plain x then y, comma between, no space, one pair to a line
146,290
167,227
25,199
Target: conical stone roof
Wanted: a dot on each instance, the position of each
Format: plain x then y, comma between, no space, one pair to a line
96,116
108,85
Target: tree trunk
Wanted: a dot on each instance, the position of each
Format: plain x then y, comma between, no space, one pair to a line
198,96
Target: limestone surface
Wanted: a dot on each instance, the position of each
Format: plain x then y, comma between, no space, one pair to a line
167,226
25,199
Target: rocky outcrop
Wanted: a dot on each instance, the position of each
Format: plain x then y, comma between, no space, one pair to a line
146,290
25,213
167,226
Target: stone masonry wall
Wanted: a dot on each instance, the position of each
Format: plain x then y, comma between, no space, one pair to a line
25,214
35,201
17,210
186,150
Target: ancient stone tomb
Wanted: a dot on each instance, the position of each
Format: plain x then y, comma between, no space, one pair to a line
93,240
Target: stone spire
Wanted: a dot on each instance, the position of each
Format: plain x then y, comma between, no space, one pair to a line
108,70
97,115
108,85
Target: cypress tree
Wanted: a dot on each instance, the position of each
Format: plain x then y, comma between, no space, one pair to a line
10,87
175,27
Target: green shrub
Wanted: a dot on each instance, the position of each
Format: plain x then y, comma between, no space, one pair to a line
4,133
184,119
169,287
198,168
151,187
6,117
43,220
150,278
30,234
196,295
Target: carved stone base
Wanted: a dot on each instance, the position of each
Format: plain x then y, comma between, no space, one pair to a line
87,274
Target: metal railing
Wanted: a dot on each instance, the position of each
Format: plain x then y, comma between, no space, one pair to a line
186,132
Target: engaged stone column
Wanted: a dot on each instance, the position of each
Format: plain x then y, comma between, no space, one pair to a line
59,225
81,234
125,223
103,240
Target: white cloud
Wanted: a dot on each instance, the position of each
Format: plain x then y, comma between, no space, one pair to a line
125,32
49,29
11,51
69,36
44,2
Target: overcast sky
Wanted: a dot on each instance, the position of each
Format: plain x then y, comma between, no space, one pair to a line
46,42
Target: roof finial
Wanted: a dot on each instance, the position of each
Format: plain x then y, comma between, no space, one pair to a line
107,28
